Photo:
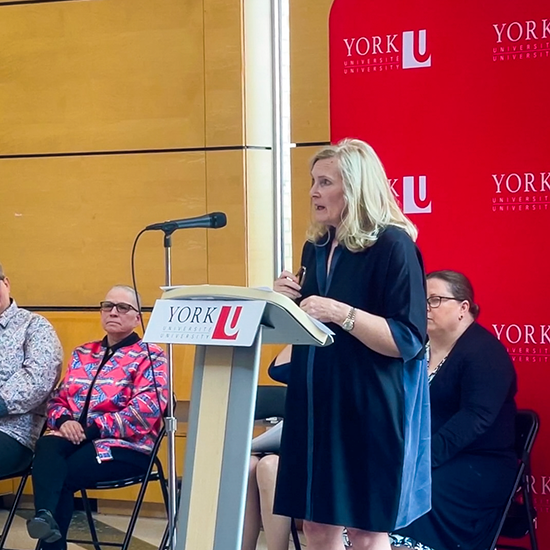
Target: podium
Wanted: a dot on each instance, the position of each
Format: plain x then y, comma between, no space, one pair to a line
228,325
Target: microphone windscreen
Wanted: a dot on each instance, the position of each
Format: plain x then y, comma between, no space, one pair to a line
219,219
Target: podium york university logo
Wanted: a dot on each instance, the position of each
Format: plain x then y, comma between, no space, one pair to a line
227,322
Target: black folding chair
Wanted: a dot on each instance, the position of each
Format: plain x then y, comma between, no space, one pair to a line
270,403
24,475
154,472
519,517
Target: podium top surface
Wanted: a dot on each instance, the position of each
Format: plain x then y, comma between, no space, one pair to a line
283,321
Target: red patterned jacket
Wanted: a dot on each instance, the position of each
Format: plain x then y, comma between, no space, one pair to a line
123,406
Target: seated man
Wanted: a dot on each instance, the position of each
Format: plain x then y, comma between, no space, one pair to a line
103,419
30,365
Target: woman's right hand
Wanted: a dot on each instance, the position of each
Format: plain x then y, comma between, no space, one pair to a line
73,431
287,284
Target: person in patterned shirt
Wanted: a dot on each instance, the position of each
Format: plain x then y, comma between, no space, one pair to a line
103,419
30,366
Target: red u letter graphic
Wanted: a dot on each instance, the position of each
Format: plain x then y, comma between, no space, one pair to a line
225,327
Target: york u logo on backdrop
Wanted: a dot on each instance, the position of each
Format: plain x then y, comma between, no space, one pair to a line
415,50
414,196
371,51
521,40
226,325
526,30
522,334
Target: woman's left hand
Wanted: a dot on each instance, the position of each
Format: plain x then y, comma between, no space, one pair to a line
325,310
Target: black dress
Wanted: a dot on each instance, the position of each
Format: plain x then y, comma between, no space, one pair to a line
355,444
474,462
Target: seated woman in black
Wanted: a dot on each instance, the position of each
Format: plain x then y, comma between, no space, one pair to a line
472,388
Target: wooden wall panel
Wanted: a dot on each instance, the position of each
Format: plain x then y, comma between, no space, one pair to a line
6,487
301,210
261,218
240,183
224,72
258,84
309,70
106,75
237,76
227,247
71,223
75,328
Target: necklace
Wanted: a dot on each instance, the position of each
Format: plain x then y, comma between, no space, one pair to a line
431,376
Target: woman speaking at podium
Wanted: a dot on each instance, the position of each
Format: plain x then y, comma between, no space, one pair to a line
355,445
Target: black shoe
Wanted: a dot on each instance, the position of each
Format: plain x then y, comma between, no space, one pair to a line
44,527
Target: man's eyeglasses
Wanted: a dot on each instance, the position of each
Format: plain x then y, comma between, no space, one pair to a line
121,307
435,301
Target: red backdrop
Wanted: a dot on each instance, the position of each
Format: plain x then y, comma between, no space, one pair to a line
455,98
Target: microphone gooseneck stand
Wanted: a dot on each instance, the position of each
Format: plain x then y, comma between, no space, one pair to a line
214,220
170,422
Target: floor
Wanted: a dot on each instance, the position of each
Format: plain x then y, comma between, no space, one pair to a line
147,534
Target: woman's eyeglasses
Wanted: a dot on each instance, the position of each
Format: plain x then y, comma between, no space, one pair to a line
435,301
121,307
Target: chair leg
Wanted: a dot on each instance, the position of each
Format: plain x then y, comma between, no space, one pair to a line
530,519
294,533
13,510
164,541
164,486
135,515
90,518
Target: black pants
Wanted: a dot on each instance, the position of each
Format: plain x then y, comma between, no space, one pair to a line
14,457
61,468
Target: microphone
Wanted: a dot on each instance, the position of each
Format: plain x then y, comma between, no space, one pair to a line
214,220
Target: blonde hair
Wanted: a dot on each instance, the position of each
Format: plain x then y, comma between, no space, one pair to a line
370,202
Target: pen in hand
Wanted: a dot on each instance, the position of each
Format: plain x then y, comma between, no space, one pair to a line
301,275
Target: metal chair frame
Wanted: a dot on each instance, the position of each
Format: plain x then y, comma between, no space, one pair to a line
154,472
24,474
527,427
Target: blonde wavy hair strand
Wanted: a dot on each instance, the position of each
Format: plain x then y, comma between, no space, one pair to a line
370,203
